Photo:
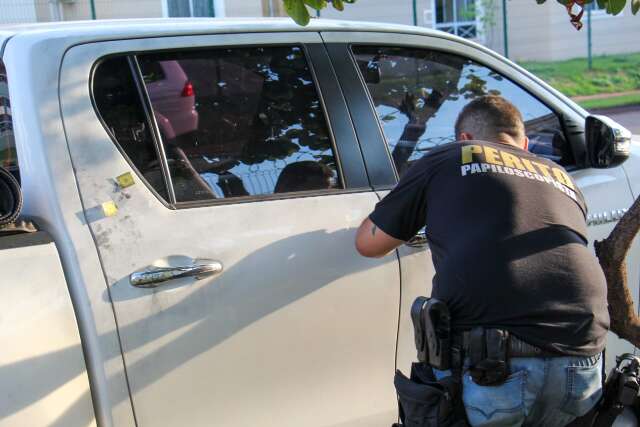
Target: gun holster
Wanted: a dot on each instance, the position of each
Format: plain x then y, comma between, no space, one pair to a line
432,329
488,358
423,400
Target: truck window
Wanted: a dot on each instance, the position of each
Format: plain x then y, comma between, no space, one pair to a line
240,122
8,156
120,107
418,94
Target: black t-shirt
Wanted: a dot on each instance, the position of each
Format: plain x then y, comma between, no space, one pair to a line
508,238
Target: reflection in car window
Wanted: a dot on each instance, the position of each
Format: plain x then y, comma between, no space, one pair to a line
240,122
153,73
120,107
418,94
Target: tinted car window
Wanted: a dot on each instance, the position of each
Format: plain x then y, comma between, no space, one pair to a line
238,122
153,73
8,157
419,93
120,106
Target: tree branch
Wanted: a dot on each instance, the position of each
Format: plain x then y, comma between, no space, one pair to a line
612,253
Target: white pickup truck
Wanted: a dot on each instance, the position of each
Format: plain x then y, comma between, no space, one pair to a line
197,184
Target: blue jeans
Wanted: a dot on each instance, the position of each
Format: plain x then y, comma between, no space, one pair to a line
539,392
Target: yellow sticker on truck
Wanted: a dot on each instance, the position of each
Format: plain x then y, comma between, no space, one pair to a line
109,208
125,180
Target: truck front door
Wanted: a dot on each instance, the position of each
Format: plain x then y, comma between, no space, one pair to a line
416,86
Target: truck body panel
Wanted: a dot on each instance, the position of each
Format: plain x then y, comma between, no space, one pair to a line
51,199
42,370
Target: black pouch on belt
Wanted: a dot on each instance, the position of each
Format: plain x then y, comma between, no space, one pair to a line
426,402
488,358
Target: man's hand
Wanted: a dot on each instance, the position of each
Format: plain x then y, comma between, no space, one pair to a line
373,242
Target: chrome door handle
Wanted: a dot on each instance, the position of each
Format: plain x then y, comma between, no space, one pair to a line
419,240
153,277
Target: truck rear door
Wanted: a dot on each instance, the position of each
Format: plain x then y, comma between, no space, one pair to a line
225,221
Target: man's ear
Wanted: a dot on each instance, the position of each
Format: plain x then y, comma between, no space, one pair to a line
526,143
465,136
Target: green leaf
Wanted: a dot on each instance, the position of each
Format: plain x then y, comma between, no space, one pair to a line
540,1
297,10
614,7
635,6
602,4
316,4
338,5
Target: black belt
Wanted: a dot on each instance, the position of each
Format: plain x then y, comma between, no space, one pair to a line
517,347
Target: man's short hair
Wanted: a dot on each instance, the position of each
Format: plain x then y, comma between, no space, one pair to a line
487,117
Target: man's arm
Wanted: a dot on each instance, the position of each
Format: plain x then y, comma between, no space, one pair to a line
373,242
401,213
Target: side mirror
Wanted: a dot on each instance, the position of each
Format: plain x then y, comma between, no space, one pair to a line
608,143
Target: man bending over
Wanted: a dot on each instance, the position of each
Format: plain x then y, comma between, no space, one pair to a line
508,240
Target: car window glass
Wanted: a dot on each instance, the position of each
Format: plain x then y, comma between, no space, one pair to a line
8,157
240,122
419,93
120,107
153,73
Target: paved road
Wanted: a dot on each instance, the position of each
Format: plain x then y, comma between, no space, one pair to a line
628,117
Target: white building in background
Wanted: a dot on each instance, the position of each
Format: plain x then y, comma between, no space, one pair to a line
535,32
17,11
114,9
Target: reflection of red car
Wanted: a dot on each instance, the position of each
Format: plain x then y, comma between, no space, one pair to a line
172,96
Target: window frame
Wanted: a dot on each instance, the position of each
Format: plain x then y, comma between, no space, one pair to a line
217,9
132,56
558,115
96,64
455,24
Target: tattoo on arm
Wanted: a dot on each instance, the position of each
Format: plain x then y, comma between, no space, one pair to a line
373,230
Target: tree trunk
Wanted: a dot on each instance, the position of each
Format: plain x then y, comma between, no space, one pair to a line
612,253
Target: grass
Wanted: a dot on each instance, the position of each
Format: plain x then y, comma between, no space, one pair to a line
612,73
614,101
